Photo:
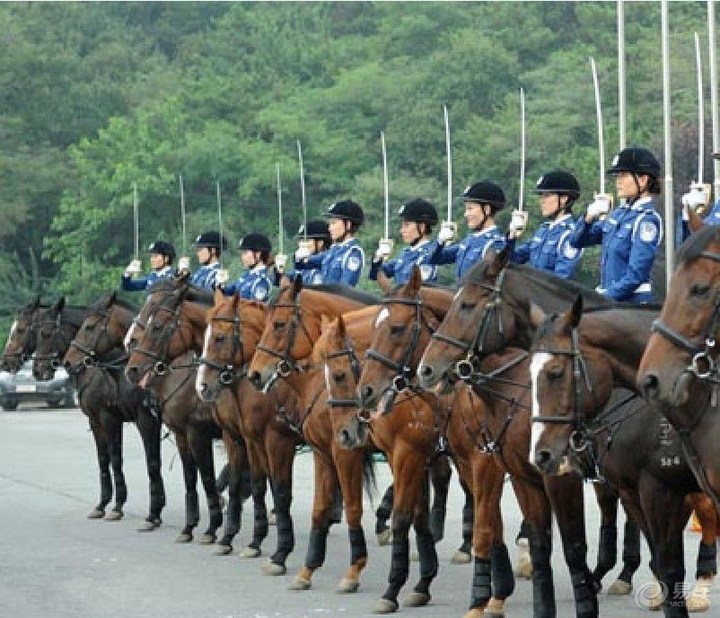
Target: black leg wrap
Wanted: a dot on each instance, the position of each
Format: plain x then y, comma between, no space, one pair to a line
428,555
260,518
543,588
317,545
586,604
223,479
337,507
631,551
192,510
607,552
106,489
399,564
468,519
285,531
480,591
384,510
706,560
358,547
503,579
524,532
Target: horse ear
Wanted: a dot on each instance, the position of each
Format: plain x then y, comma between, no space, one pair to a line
576,312
59,305
498,260
537,315
35,303
695,222
415,281
182,276
297,284
218,296
341,330
111,298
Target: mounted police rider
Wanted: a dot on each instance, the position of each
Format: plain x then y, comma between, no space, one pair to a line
162,254
254,283
318,236
695,199
418,217
208,248
631,233
344,260
482,201
549,249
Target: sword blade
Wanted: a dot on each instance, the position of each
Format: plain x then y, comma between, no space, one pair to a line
701,105
280,212
598,113
182,215
136,223
448,153
302,189
521,196
386,187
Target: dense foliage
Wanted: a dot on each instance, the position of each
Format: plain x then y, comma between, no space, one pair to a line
98,96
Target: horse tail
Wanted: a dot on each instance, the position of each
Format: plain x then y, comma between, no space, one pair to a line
369,476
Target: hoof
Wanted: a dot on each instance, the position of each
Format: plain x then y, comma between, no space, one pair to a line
300,584
249,552
619,588
113,516
384,537
697,604
417,599
184,537
475,613
272,519
272,568
347,586
495,608
460,557
650,596
223,550
96,514
207,539
149,526
385,606
699,599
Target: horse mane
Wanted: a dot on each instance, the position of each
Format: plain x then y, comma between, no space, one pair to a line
697,243
336,289
428,284
98,305
195,294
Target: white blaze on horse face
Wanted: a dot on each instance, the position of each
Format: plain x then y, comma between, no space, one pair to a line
326,370
536,429
460,291
129,336
200,375
10,334
382,316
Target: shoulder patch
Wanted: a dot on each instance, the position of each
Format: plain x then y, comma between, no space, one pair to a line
353,263
569,251
648,231
426,271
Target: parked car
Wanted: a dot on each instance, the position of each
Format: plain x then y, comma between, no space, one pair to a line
22,386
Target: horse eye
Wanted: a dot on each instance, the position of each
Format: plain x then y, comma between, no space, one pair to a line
699,289
339,376
278,325
397,330
89,326
220,338
465,306
555,373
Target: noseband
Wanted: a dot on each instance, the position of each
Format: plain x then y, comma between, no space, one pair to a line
356,367
702,365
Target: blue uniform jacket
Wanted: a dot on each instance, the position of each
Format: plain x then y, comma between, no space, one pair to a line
468,251
204,277
630,237
341,263
253,285
310,276
142,283
683,230
549,249
400,268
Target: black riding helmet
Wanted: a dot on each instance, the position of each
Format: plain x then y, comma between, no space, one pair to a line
558,181
485,192
212,240
316,229
419,211
163,247
637,160
348,210
255,242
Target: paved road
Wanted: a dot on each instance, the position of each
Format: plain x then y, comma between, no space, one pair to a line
56,563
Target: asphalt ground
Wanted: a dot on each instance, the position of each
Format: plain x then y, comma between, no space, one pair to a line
55,563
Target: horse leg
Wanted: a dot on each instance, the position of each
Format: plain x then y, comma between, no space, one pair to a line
462,555
261,524
149,428
201,446
325,483
567,500
698,600
114,428
491,559
103,457
190,474
382,514
440,474
427,551
666,513
281,455
236,467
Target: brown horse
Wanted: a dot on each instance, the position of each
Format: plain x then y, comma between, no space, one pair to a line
107,400
679,369
489,311
576,362
21,339
170,326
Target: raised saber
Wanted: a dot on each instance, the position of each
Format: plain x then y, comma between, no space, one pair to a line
136,223
519,216
701,113
622,98
714,103
302,190
220,221
182,215
667,136
599,120
386,189
281,243
449,224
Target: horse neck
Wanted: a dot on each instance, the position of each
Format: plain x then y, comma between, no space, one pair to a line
252,324
619,337
195,315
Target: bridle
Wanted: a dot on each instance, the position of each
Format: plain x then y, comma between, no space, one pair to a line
352,402
471,363
60,340
160,367
702,365
91,355
27,346
229,373
403,370
286,363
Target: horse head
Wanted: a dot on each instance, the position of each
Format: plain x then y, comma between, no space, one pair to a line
682,354
21,339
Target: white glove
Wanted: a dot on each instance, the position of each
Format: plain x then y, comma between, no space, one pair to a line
518,221
446,233
384,249
222,276
599,206
134,267
280,261
184,263
694,198
600,290
303,253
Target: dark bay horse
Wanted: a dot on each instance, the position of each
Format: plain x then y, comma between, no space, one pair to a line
21,339
679,369
164,342
576,361
106,398
491,310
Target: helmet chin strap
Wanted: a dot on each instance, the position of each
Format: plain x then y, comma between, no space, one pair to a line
419,236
